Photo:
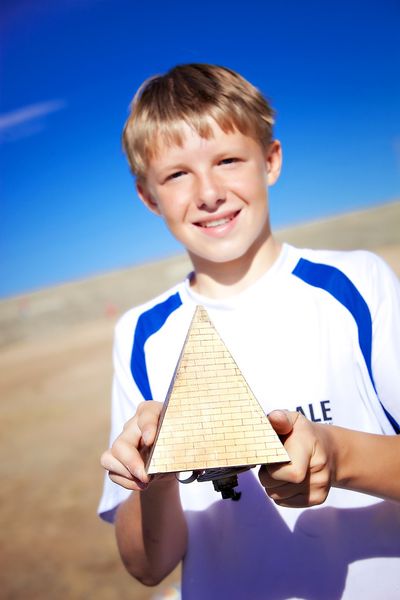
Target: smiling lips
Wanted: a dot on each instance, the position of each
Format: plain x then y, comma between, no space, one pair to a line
220,222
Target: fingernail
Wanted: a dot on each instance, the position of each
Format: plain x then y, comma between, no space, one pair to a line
141,485
146,437
138,473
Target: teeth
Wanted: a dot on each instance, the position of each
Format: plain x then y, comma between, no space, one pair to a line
216,223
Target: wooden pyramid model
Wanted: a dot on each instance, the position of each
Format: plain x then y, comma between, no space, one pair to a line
210,417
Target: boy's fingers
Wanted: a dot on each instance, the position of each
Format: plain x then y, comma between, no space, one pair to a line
131,433
287,491
266,479
129,484
295,496
124,460
122,475
308,492
269,481
113,465
148,415
128,456
297,501
283,421
293,472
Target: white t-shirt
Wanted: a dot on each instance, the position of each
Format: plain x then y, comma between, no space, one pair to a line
318,333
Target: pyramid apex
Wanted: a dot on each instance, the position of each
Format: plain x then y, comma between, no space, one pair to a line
201,314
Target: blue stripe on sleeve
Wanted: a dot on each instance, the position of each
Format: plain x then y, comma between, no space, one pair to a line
338,285
149,323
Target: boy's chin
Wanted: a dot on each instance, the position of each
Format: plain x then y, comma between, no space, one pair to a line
204,261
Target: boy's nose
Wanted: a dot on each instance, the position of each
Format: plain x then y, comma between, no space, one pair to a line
210,193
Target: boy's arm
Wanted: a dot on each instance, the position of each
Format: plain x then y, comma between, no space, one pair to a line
324,456
150,525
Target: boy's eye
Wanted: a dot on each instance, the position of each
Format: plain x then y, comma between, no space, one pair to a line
228,161
175,175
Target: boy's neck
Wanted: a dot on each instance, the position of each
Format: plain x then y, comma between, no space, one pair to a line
223,280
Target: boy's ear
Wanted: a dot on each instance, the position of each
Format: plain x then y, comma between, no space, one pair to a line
274,161
146,197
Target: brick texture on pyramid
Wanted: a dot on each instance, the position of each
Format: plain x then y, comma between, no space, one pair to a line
210,417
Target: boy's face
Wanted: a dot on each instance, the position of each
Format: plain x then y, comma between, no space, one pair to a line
213,194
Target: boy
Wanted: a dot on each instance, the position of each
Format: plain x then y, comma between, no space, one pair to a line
299,325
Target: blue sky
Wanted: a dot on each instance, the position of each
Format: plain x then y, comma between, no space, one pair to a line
68,72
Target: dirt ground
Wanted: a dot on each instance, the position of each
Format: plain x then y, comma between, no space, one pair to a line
54,391
54,426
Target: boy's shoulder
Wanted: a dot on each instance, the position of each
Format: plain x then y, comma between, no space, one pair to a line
357,265
368,273
151,312
343,259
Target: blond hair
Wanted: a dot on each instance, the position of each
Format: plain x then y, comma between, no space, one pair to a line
193,93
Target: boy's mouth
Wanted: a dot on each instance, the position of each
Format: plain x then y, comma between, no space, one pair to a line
218,222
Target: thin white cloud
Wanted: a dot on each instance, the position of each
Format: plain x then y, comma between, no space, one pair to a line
27,120
28,113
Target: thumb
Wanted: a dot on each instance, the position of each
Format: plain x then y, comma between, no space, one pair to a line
282,421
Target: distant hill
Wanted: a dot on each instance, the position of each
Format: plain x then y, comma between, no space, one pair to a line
367,229
52,310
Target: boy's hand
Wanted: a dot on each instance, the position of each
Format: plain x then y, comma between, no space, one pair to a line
306,480
124,460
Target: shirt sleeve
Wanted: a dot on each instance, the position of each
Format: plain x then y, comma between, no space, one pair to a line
125,399
386,339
